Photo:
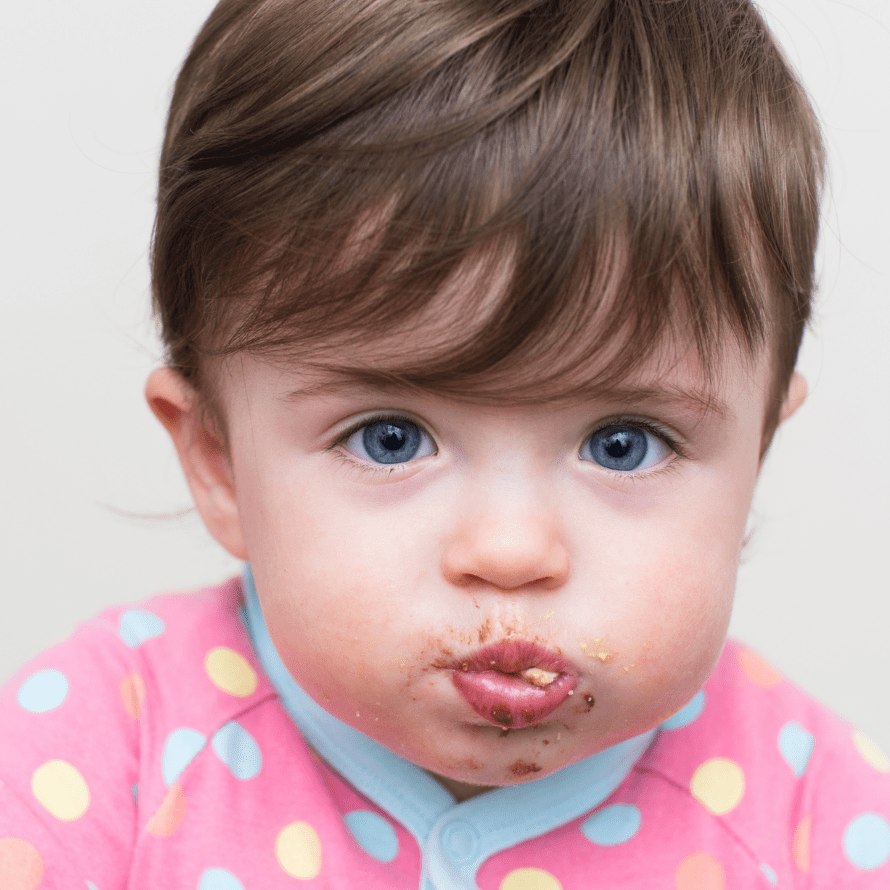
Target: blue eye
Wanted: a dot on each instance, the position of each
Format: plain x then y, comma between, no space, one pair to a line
391,440
624,448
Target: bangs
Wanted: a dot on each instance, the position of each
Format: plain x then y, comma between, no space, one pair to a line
541,184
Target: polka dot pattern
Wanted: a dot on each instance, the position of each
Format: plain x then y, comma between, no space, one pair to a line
796,746
180,749
61,790
758,669
687,714
43,691
612,825
238,750
136,626
219,879
871,753
132,690
867,841
169,814
700,871
529,879
230,672
21,866
800,844
373,834
298,851
718,785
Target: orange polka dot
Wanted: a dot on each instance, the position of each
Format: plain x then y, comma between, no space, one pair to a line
800,844
758,669
700,871
170,813
132,691
21,867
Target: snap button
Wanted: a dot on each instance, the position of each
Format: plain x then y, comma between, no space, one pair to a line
460,841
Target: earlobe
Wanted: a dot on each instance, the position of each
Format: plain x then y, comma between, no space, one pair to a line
202,456
797,393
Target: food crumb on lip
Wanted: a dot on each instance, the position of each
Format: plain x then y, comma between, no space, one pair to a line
538,676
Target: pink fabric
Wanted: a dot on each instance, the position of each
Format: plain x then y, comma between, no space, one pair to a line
150,751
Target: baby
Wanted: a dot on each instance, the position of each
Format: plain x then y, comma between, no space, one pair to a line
480,318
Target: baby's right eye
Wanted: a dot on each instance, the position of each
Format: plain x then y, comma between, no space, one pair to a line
389,440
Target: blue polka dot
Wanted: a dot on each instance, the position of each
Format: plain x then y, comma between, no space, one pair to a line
136,626
374,834
91,886
180,749
612,826
135,792
236,748
796,746
43,691
771,876
219,879
867,841
686,714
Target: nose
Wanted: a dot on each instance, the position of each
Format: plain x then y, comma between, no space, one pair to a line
508,545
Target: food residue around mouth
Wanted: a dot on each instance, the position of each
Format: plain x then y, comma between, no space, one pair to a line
538,676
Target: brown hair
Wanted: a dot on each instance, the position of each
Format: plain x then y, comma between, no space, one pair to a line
329,169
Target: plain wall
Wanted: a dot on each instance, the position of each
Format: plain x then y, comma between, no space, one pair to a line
95,511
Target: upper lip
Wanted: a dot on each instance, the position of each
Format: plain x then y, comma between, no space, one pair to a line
513,657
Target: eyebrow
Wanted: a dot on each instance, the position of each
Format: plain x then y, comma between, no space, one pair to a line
353,381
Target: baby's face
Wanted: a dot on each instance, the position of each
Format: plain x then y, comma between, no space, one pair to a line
495,592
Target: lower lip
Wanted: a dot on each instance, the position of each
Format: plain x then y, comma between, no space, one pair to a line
508,701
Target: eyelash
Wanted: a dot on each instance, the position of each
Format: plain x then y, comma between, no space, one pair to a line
381,470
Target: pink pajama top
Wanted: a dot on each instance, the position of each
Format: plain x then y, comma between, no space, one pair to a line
164,747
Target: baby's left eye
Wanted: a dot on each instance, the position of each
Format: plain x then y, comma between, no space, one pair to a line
625,448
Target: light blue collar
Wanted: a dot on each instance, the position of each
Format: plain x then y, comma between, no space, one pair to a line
456,838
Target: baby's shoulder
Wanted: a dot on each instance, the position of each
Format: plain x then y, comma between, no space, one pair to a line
776,771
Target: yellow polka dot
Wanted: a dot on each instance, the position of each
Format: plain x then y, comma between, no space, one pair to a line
758,669
718,785
230,671
700,871
530,879
61,789
800,843
132,691
21,866
871,753
298,850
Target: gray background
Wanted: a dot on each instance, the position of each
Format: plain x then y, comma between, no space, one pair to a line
95,511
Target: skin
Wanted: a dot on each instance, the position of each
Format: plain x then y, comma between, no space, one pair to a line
374,581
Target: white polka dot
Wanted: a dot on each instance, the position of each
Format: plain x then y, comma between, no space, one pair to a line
238,750
613,825
796,746
219,879
43,691
867,841
180,749
136,626
373,834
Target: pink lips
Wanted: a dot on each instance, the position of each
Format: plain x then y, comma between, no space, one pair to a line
489,681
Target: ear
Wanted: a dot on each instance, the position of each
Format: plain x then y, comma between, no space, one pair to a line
794,398
202,455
